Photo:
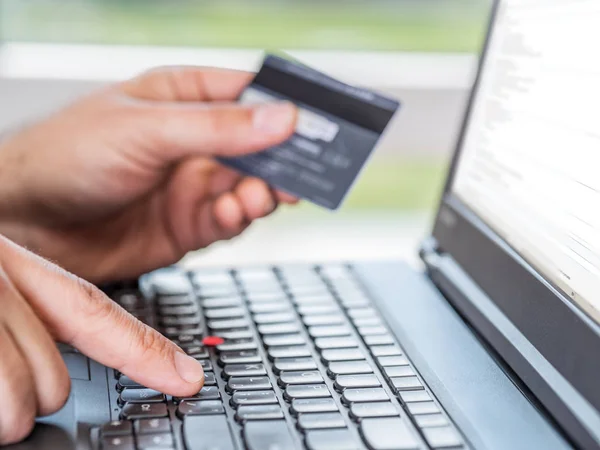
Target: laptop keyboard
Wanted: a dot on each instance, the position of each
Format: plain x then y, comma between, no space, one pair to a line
294,357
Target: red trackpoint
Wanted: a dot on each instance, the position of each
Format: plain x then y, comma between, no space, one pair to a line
212,341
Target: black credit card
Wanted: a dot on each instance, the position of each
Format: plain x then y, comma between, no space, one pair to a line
338,127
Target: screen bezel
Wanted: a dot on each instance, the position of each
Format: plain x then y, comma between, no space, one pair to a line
536,306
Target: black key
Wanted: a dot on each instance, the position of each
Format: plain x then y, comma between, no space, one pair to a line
244,370
126,382
234,345
319,421
243,357
282,364
248,384
442,437
313,405
387,433
200,407
181,310
149,426
200,354
207,433
407,384
210,379
399,371
323,319
253,398
241,333
379,339
278,328
134,411
271,318
268,434
258,412
296,351
117,428
364,395
269,307
391,361
175,300
175,331
225,313
415,396
221,302
348,368
342,354
187,340
154,441
335,439
329,331
355,381
306,391
206,365
418,408
141,396
227,324
360,411
372,330
306,377
282,340
318,309
431,420
386,350
195,349
335,342
118,443
206,393
177,321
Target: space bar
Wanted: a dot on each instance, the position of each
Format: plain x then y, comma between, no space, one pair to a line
207,433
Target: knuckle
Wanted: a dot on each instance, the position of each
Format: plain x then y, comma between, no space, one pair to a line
58,393
97,304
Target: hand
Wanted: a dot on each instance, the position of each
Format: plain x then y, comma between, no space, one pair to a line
124,181
40,303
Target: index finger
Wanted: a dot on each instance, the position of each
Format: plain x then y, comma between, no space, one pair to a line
187,84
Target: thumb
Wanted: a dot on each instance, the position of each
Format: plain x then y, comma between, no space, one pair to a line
182,130
79,314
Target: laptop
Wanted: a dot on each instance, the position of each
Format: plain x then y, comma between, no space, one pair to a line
495,344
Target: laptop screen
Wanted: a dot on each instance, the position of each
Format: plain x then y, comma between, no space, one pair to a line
530,161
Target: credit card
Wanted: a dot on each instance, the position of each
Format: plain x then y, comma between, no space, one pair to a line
338,127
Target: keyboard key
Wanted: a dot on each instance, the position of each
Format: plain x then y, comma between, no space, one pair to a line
372,330
306,377
335,342
154,441
187,339
180,310
348,368
318,309
296,351
209,379
243,357
442,437
356,313
318,421
415,396
283,364
117,428
206,365
118,443
328,331
313,405
223,290
201,407
268,434
234,345
280,340
175,331
244,370
386,350
224,313
391,361
240,333
379,339
258,412
307,391
266,297
269,307
364,395
355,381
324,319
399,371
422,408
407,384
174,300
354,300
248,384
311,295
431,420
342,354
271,318
206,393
126,382
360,411
207,433
169,282
227,324
278,328
148,426
141,396
196,351
367,321
335,439
387,433
134,411
221,302
253,398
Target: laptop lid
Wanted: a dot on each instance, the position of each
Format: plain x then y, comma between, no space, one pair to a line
520,214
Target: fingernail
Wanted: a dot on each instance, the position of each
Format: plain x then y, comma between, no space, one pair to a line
188,368
274,118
